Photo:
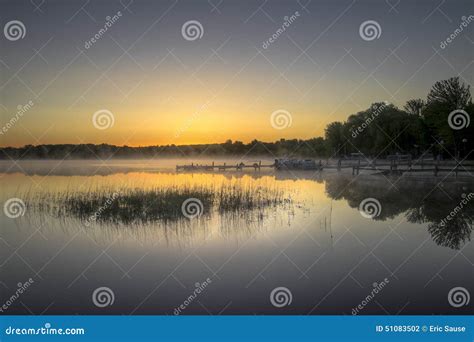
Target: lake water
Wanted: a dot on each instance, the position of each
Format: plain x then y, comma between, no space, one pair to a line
326,252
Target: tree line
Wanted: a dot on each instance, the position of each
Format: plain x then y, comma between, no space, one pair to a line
438,125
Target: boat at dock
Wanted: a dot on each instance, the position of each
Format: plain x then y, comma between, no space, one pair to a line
297,164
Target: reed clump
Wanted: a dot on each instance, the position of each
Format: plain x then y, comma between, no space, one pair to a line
140,205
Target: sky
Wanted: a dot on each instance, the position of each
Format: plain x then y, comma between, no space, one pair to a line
147,80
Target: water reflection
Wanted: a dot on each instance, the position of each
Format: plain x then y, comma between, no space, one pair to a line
428,201
309,246
181,234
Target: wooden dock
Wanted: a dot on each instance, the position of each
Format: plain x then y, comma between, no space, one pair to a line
398,166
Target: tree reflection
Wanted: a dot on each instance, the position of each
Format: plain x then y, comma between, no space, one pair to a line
420,201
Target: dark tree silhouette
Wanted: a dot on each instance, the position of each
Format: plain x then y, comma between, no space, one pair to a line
414,106
334,135
451,92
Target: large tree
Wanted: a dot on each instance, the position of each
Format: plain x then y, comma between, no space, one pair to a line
334,135
450,92
444,98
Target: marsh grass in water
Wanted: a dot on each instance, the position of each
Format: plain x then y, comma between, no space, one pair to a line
161,203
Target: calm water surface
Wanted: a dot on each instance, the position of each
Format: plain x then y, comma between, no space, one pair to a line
317,245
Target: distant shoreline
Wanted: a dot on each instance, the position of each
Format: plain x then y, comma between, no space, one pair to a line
311,149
